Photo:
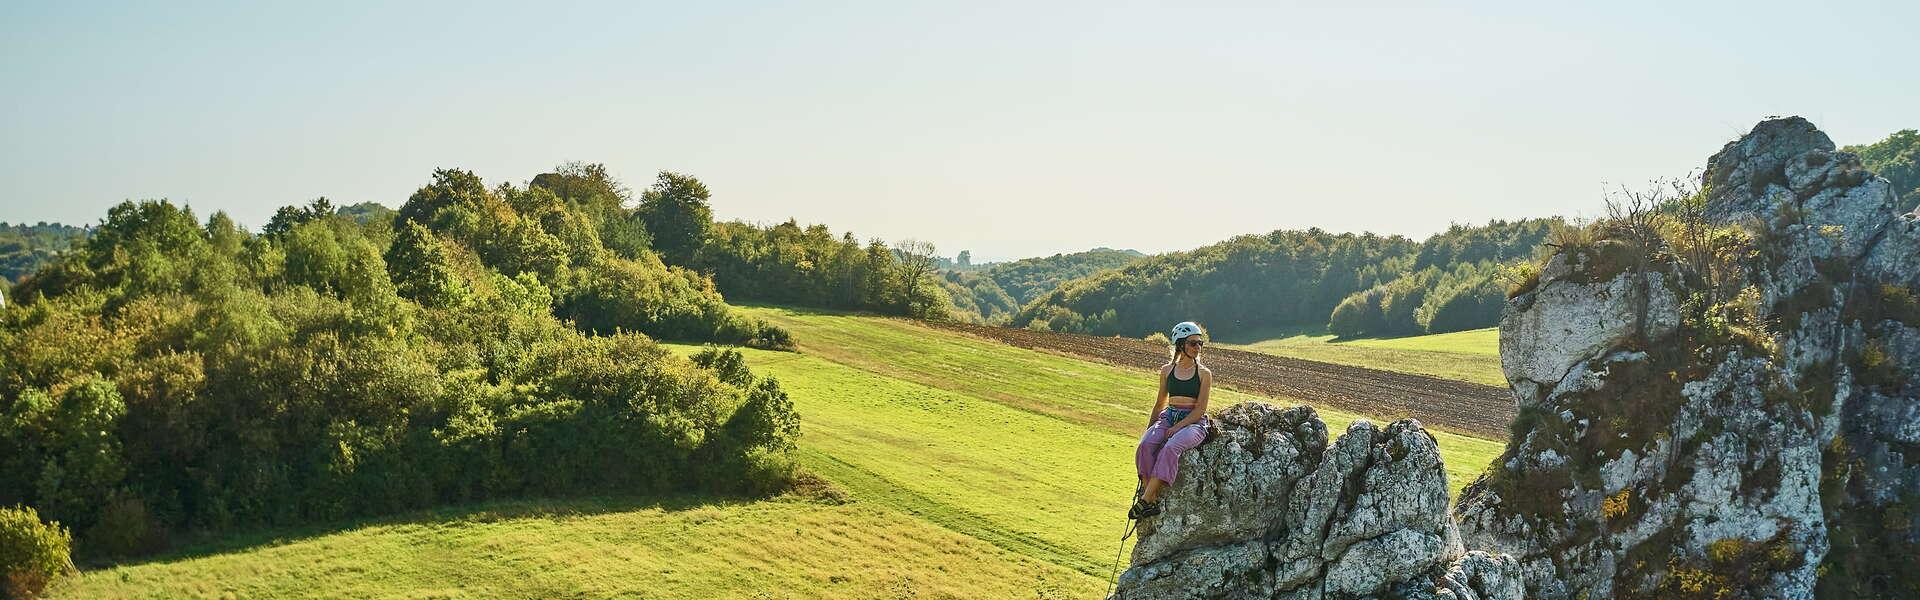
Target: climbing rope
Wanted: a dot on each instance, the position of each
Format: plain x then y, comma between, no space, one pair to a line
1114,572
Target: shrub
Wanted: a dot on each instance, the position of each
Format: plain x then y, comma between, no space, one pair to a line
726,363
1358,314
177,378
32,553
1521,277
124,528
1469,299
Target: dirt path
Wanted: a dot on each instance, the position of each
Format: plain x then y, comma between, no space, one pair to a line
1468,408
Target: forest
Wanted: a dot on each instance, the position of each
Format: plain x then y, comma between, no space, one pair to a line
992,293
26,248
1896,158
1355,284
170,375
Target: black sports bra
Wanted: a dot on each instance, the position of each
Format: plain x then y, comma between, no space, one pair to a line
1189,388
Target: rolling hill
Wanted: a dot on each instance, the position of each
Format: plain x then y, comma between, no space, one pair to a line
970,468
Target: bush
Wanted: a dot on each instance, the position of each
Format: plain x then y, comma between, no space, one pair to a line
174,378
125,528
1358,314
647,296
32,553
725,363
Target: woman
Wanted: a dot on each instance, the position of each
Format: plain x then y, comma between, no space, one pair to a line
1177,422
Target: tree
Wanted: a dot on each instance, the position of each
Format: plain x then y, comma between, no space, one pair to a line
585,183
450,188
1896,158
917,264
605,199
418,265
1358,314
289,217
965,259
677,216
366,213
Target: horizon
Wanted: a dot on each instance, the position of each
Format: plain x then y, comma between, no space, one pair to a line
982,130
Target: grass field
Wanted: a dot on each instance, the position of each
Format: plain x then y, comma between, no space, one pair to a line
975,469
1463,355
688,548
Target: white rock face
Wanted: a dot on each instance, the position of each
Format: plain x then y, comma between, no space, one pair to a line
1562,323
1649,447
1270,509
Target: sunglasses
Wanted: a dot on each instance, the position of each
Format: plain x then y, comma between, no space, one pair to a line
1195,343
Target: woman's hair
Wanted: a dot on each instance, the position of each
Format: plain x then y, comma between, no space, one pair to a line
1173,355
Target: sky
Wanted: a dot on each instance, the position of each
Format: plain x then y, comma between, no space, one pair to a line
1009,129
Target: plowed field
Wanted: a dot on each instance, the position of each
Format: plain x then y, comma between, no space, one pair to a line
1469,408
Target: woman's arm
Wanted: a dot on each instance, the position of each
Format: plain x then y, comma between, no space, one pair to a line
1199,402
1159,398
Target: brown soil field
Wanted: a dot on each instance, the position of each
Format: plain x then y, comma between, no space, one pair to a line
1467,408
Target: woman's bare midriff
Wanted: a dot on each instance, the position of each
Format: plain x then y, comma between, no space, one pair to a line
1188,405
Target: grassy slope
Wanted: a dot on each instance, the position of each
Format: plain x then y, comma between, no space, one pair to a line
1027,449
977,469
1464,355
690,548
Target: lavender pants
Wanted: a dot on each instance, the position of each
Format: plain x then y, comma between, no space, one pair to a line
1159,453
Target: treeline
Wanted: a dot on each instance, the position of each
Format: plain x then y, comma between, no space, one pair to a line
1896,158
1028,278
810,266
174,374
1284,277
1357,284
1454,283
26,248
993,293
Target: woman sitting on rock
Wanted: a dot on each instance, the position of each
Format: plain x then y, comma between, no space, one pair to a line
1178,420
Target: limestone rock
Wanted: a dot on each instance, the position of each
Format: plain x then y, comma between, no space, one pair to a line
1271,509
1653,459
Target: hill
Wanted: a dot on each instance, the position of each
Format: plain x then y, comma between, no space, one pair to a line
1358,284
1896,158
992,293
1472,355
1284,277
1007,460
675,548
25,248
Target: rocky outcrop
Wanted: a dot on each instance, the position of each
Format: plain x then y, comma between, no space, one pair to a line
1270,509
1663,450
1720,403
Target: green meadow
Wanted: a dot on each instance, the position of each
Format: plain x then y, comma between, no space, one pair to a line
1462,355
963,468
789,547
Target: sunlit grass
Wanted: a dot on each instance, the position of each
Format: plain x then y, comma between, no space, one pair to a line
1027,449
1066,387
1462,355
684,548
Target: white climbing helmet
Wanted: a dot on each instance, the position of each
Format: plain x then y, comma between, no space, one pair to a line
1184,329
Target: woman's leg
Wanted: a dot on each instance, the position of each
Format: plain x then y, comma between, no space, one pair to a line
1166,465
1150,443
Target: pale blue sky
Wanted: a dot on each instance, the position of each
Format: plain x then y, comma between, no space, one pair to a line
1011,129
